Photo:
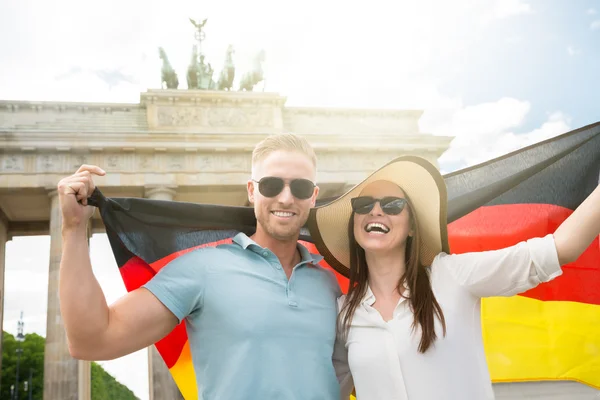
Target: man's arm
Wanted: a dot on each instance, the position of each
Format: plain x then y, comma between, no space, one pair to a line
94,330
342,369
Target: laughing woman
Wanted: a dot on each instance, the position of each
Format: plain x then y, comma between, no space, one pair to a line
409,327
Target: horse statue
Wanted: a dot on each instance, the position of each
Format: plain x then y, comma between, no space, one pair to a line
168,74
250,79
228,73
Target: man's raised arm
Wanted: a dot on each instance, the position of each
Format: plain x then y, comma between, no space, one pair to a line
96,331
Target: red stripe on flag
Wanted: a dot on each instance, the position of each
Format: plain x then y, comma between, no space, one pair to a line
135,273
496,227
157,265
171,345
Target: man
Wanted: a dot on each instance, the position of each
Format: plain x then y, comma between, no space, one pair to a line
260,313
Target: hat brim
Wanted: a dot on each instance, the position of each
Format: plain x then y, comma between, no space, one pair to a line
422,183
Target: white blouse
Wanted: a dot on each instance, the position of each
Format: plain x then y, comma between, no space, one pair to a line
380,359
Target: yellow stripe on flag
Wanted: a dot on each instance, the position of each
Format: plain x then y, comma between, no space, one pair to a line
531,340
184,375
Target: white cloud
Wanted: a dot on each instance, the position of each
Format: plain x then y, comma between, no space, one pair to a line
573,51
509,141
591,11
595,25
505,8
479,121
486,131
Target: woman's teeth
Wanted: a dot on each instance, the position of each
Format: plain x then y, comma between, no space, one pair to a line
376,228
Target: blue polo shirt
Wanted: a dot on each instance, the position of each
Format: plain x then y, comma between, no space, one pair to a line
253,333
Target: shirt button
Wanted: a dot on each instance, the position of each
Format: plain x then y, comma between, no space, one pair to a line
265,253
293,304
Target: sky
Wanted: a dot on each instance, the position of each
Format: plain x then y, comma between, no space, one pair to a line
497,75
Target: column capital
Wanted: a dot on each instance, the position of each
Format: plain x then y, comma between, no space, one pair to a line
160,191
51,191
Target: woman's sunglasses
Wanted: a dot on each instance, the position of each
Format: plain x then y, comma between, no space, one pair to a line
271,186
389,205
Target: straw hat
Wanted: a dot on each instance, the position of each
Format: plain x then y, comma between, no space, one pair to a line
424,186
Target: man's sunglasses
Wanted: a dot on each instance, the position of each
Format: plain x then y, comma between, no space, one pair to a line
271,186
389,205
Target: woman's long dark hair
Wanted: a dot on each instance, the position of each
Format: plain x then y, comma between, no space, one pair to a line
422,300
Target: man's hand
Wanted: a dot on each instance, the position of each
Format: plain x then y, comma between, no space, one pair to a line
73,192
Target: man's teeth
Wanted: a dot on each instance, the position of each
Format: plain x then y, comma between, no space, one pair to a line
377,228
282,213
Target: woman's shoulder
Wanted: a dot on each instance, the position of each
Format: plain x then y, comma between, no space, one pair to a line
445,262
441,271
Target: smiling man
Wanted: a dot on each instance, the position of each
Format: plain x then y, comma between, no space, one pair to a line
260,313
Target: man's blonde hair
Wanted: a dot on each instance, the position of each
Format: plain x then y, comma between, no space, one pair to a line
285,142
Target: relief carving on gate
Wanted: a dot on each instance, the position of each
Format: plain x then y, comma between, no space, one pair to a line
180,116
12,163
215,117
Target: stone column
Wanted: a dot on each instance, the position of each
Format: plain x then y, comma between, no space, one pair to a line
84,377
61,371
161,383
3,239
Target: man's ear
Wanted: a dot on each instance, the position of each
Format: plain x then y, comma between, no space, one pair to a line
250,188
315,195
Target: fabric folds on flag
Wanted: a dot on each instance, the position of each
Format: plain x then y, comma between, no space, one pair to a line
548,333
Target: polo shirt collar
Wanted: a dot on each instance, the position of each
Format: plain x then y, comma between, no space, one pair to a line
307,257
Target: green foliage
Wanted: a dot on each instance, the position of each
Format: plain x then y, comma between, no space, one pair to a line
104,386
31,358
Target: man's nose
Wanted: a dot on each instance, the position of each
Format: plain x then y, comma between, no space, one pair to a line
286,196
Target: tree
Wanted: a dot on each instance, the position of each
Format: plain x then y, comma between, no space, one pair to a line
32,358
104,386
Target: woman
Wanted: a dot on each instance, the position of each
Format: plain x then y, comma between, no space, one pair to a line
410,322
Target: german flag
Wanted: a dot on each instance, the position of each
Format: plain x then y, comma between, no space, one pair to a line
548,333
551,332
